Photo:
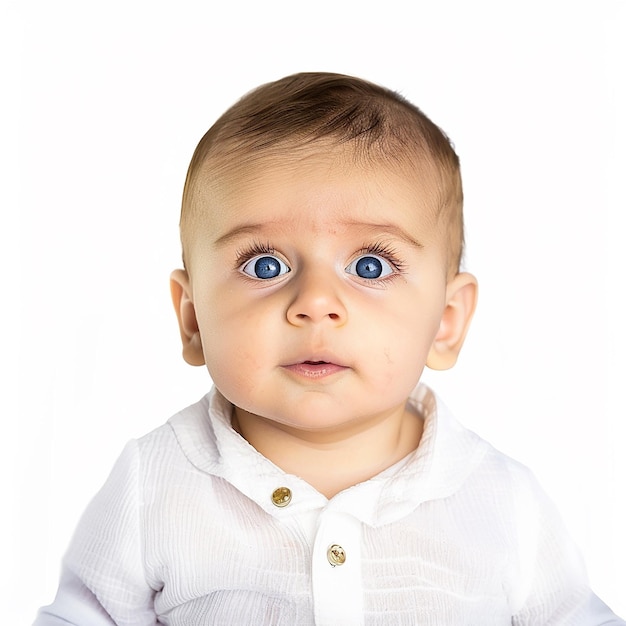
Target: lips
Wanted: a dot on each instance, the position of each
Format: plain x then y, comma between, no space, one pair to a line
314,369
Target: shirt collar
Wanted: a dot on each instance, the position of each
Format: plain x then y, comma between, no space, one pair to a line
446,456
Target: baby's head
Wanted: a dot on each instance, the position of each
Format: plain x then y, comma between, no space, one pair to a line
361,123
322,233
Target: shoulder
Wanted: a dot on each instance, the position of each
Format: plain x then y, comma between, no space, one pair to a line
461,460
186,437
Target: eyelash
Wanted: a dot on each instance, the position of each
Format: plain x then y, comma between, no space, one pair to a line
255,249
386,252
380,249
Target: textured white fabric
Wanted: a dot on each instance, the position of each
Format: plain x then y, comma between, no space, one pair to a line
184,532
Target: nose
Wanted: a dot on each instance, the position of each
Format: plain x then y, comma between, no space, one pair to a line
316,300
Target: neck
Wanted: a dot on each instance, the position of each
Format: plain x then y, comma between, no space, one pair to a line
333,460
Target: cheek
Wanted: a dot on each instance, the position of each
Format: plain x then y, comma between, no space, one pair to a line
408,337
235,339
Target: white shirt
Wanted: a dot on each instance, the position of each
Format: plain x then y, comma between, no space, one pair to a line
186,532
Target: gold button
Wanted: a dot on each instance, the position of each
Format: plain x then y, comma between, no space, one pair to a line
336,555
281,496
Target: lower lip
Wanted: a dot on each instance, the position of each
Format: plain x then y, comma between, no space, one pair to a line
315,371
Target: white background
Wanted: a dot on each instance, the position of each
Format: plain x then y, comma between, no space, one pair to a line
103,106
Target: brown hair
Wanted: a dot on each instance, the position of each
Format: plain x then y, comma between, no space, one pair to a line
299,110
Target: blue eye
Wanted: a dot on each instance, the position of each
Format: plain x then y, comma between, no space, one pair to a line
265,267
370,267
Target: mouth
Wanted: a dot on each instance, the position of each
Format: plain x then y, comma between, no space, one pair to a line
314,369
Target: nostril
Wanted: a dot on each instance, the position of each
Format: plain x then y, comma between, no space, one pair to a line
309,306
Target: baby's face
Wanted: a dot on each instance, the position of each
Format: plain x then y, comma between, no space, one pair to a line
318,289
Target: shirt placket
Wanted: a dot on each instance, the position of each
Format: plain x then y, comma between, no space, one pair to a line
336,570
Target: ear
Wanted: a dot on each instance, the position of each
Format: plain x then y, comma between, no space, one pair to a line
186,314
461,298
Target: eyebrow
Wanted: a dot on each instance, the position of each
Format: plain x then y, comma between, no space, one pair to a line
240,231
375,228
386,229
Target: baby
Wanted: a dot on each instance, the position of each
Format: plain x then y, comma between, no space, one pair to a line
319,482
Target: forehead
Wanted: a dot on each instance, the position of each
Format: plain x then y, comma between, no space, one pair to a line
318,190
